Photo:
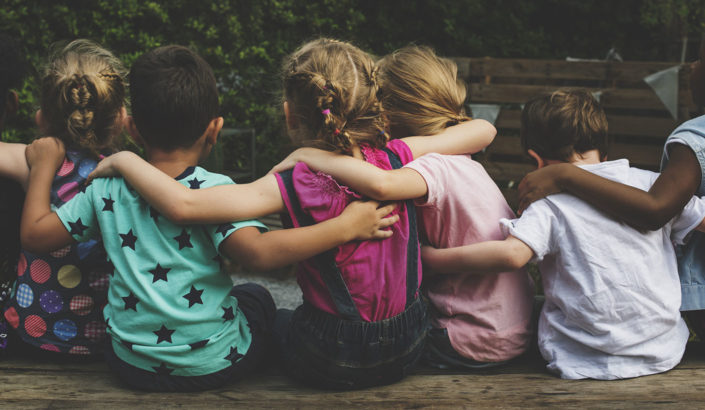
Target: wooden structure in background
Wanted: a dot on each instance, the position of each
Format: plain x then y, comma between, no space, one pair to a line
638,121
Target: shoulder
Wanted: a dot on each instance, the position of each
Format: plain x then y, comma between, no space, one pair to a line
400,148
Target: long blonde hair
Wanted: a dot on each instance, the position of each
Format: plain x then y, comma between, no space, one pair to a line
420,92
82,94
331,88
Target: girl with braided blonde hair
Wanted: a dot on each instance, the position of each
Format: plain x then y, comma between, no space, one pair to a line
363,321
55,307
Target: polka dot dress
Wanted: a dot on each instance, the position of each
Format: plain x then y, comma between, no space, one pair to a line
58,298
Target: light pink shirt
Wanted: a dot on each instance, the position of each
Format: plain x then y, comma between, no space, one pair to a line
487,316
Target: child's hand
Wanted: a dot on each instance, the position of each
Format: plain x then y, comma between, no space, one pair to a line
366,220
108,166
540,184
300,155
45,152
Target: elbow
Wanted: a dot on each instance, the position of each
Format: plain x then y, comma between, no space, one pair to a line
32,242
490,132
381,189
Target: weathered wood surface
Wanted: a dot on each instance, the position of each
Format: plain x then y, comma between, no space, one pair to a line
524,384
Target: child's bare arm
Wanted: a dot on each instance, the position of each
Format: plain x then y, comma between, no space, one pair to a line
479,258
270,250
186,206
13,164
363,177
41,230
643,210
467,137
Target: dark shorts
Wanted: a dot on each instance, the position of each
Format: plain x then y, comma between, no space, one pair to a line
325,351
258,306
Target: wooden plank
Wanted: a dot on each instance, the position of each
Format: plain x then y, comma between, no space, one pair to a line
611,97
627,72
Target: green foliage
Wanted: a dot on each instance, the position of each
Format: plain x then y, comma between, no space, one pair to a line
246,40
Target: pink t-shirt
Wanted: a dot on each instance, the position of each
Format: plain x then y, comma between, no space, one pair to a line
487,316
374,271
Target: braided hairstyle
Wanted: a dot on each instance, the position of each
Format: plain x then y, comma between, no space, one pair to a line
420,92
82,93
331,88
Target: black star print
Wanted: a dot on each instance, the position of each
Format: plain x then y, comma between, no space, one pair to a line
224,228
128,344
153,214
108,204
130,301
228,313
199,344
233,356
162,370
84,186
184,240
159,273
163,334
77,227
128,239
195,183
194,296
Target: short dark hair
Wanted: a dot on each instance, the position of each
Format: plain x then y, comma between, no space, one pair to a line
557,124
173,96
13,67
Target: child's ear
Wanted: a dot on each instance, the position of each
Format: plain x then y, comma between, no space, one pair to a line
540,163
39,120
213,130
291,122
131,129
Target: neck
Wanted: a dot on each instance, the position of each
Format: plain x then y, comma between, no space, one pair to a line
586,158
173,162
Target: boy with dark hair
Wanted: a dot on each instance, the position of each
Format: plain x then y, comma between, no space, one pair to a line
612,292
175,321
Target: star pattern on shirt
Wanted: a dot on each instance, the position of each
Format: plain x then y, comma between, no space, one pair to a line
234,355
164,334
228,313
194,296
199,344
128,344
162,370
128,240
130,301
195,183
159,273
84,186
77,228
224,228
153,214
184,240
108,204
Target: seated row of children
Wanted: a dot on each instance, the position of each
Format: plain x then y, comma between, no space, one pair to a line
175,322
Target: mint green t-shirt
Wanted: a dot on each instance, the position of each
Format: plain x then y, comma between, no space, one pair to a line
169,305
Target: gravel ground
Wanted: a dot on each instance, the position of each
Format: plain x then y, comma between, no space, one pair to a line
282,286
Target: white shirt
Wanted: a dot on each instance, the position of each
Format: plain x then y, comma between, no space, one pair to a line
612,292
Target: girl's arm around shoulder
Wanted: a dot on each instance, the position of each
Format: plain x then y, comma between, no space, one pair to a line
182,205
361,176
479,258
13,164
275,249
41,229
467,137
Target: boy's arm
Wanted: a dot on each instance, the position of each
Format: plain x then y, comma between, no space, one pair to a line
187,206
41,230
644,210
479,258
274,249
13,164
467,137
361,176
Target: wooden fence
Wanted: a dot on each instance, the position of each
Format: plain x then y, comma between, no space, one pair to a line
638,121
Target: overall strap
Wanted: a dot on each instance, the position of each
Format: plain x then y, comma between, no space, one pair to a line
325,262
412,246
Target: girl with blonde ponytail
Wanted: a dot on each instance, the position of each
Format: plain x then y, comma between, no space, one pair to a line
55,306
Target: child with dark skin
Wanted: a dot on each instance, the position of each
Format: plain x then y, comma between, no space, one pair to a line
681,178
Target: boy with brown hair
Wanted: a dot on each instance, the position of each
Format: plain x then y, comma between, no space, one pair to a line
612,292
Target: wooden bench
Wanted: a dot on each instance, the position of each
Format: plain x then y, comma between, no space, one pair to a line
638,121
525,383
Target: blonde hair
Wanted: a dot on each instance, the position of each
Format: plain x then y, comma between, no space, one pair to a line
82,93
420,92
331,89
